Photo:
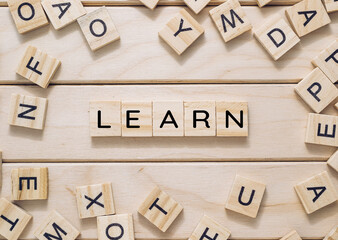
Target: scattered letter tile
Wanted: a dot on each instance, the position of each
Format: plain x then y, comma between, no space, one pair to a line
316,192
230,19
95,200
232,119
333,234
105,118
200,118
322,129
119,227
276,36
168,119
98,28
196,5
56,225
209,229
13,220
151,4
291,236
63,12
317,90
37,66
181,31
307,16
327,61
28,15
29,183
262,3
333,161
160,209
246,196
26,111
331,5
137,119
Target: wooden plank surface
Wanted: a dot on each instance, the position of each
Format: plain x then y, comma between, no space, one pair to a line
201,188
141,57
277,125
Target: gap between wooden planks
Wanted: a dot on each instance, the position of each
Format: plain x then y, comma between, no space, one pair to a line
277,126
167,2
141,57
202,188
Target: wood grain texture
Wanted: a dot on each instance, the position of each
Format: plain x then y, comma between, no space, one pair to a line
201,188
142,57
277,123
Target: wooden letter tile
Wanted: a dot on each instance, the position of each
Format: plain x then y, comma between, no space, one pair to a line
317,90
209,229
327,61
29,183
168,119
333,161
38,66
230,19
95,200
316,192
291,236
98,28
137,119
232,119
196,5
119,227
307,16
333,234
63,12
151,4
28,15
331,5
262,3
276,36
200,118
13,220
26,111
56,225
181,31
246,196
105,118
160,209
322,129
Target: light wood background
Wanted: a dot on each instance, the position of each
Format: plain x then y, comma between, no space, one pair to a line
197,172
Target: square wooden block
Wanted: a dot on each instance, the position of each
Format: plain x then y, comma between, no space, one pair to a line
200,118
28,15
322,129
26,111
331,5
317,90
137,119
181,31
151,4
246,196
276,36
316,192
307,16
232,119
13,220
230,19
160,209
262,3
98,28
196,5
119,227
37,66
333,161
208,228
56,225
333,234
105,118
168,119
291,236
61,13
29,183
327,61
95,200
